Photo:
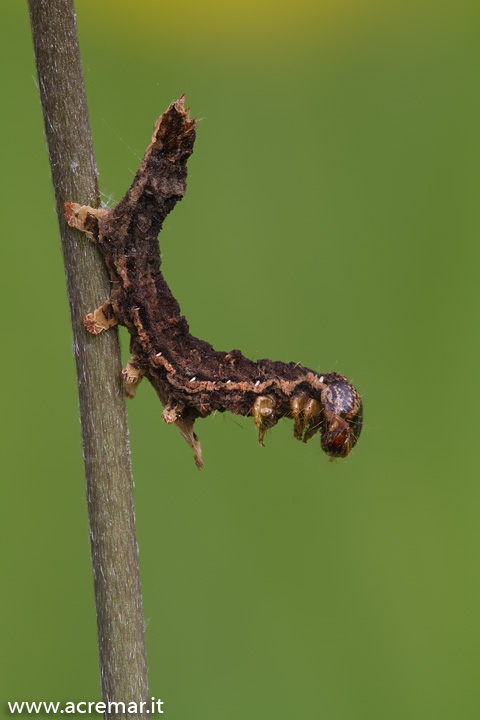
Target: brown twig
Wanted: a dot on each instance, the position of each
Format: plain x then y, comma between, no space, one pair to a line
102,407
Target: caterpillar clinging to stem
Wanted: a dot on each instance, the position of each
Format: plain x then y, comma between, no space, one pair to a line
190,377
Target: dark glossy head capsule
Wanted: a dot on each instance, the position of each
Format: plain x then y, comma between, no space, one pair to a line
342,417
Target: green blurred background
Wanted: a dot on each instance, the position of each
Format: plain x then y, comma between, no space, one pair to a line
332,218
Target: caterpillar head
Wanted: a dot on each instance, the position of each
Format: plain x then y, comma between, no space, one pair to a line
342,417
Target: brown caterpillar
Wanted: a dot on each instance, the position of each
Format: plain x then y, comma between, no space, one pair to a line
190,377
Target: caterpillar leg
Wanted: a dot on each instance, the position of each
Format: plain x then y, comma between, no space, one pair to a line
263,412
171,413
102,318
132,375
307,415
185,425
85,218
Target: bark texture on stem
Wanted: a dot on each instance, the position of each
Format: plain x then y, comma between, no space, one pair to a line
102,407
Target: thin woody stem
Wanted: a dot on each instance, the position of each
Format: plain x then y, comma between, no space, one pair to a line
102,408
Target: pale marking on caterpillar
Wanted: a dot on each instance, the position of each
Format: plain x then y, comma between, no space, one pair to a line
192,379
